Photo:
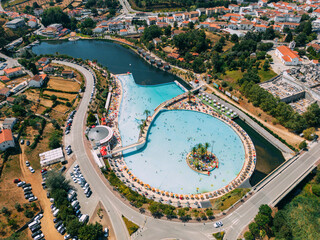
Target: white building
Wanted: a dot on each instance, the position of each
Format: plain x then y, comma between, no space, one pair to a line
8,123
15,23
6,139
51,157
287,56
38,80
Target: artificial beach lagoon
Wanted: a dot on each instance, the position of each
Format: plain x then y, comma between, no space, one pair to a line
159,169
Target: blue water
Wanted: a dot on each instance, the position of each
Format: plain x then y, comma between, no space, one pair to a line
161,163
135,100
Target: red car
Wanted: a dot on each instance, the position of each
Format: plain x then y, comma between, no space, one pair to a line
16,180
43,170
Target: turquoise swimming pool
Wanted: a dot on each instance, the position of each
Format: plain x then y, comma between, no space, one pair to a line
161,163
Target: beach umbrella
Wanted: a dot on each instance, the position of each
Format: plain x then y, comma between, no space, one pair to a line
181,197
167,193
191,196
153,189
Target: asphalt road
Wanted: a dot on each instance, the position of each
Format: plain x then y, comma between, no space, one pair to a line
151,228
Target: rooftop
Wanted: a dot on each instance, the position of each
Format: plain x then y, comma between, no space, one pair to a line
6,135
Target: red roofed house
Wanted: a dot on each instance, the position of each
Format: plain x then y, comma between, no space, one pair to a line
287,56
13,72
38,80
5,91
6,139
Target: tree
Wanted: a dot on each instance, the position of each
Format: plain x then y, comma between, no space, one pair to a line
55,15
190,94
266,65
234,38
254,229
91,119
301,39
18,207
269,34
289,37
90,231
56,180
53,98
265,210
309,133
303,145
88,23
147,113
198,65
262,220
151,32
167,31
55,139
316,190
248,236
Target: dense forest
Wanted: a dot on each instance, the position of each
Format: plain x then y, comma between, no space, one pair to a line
297,219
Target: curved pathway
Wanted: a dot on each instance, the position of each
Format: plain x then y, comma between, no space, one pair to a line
152,228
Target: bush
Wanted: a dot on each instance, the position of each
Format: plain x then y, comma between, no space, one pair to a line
303,145
28,213
316,190
18,207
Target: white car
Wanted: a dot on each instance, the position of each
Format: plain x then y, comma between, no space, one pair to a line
31,169
218,224
106,232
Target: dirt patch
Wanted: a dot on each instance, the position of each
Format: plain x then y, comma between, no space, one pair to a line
32,155
101,216
18,80
61,108
35,180
68,96
62,84
215,38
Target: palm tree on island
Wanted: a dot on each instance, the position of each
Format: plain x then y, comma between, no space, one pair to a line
206,146
190,94
147,113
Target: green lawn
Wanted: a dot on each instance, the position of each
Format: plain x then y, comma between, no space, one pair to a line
266,75
229,199
132,227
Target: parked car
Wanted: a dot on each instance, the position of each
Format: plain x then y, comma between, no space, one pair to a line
20,184
63,169
27,163
55,220
43,170
39,216
22,141
16,180
32,199
68,236
58,224
28,196
106,232
27,189
28,143
33,235
31,169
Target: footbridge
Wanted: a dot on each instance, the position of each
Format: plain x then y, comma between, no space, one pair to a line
142,140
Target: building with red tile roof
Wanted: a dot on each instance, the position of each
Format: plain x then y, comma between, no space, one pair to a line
6,139
287,56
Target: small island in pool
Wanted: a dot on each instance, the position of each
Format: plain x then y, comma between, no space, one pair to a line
201,160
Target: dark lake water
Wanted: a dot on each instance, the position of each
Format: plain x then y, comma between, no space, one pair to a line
119,59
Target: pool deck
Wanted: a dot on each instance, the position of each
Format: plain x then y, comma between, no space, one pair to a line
179,102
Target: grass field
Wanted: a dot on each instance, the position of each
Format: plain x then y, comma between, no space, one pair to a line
10,194
229,199
62,84
132,227
32,155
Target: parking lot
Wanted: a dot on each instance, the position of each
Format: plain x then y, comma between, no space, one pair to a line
88,205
